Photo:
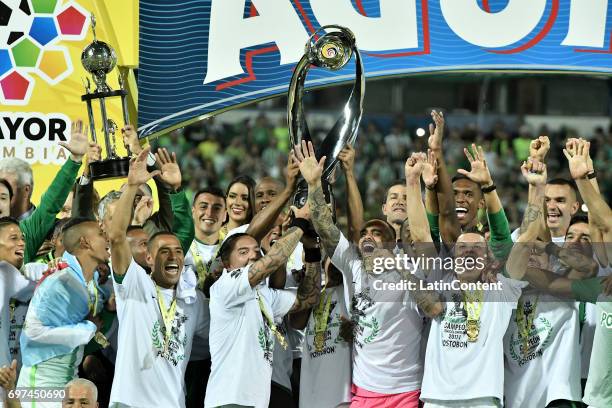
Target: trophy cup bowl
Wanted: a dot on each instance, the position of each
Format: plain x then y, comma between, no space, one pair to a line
332,50
99,59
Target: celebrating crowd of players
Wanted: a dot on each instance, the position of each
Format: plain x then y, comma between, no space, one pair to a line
238,299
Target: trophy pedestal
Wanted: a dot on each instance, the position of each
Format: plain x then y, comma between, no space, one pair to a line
117,167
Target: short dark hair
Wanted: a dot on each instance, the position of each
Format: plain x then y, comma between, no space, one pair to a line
560,181
158,234
8,187
396,182
228,246
579,218
59,227
212,190
134,228
5,221
72,232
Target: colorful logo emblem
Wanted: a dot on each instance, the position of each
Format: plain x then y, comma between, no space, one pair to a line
29,33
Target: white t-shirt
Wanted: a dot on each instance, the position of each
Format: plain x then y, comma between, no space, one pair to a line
145,374
200,350
241,341
542,375
32,271
386,348
325,379
11,283
550,369
457,369
282,361
587,332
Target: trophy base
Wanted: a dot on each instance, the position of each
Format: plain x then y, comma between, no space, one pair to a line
117,167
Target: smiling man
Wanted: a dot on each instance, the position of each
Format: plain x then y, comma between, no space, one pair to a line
394,206
157,320
387,366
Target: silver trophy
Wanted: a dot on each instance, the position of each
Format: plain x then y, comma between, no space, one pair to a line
333,50
99,59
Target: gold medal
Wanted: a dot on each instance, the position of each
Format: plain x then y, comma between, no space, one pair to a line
472,329
319,341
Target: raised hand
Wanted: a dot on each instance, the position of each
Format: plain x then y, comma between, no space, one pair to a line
539,147
430,170
534,172
347,158
138,173
479,172
436,132
142,210
303,212
130,139
170,171
414,167
309,167
572,145
578,159
293,170
78,144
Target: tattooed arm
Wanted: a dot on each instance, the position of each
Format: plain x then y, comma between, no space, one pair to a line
322,219
276,257
535,173
309,289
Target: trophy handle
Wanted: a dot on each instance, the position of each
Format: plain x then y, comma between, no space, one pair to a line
296,120
344,132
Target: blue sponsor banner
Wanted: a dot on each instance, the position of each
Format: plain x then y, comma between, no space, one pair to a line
200,57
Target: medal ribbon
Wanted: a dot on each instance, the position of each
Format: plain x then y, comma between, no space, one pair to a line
201,266
321,314
92,304
473,304
277,334
167,315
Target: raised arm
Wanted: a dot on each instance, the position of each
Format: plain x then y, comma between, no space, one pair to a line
170,176
320,213
354,210
276,257
82,204
260,224
417,217
120,249
448,223
535,174
38,225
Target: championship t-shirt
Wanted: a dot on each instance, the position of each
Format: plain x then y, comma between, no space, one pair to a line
325,379
598,391
457,368
151,360
386,357
548,368
242,340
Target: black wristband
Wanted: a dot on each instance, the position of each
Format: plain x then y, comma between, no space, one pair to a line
312,255
552,249
492,187
591,175
301,223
